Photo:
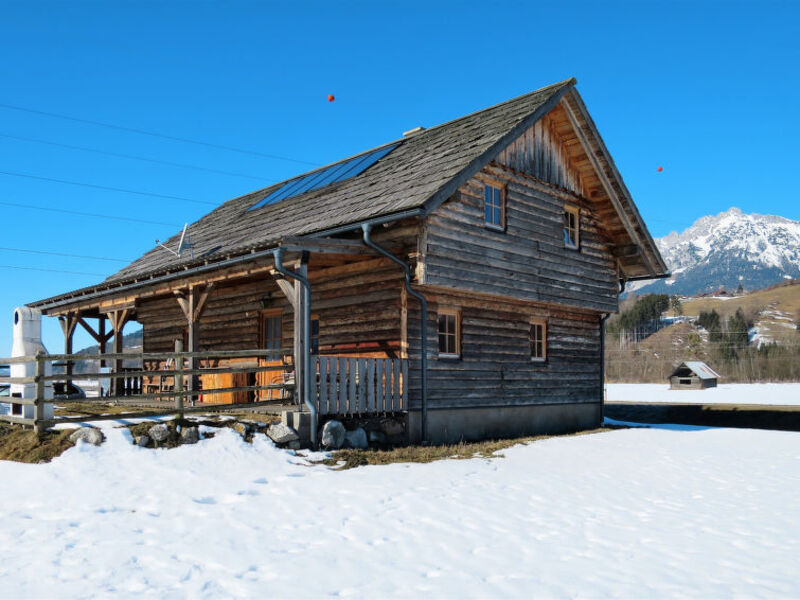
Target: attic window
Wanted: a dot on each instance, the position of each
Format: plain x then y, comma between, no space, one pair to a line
572,227
315,180
494,205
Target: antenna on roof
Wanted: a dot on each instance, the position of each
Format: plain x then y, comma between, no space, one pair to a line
186,241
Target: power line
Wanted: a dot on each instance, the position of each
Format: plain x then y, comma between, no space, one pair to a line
106,188
133,157
51,270
155,134
86,214
64,254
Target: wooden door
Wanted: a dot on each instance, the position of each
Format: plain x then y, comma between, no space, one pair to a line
271,336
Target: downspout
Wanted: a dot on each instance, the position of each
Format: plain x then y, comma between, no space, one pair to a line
622,284
423,305
312,407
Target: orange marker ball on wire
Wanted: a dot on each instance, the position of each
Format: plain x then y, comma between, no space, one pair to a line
331,98
660,169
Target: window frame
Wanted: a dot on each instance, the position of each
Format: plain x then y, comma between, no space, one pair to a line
543,323
575,211
501,187
450,312
270,313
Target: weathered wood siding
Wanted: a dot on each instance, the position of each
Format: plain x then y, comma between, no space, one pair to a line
358,306
495,368
540,152
528,260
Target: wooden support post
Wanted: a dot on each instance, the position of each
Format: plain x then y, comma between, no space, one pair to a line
39,425
179,378
104,337
192,304
68,323
118,319
299,325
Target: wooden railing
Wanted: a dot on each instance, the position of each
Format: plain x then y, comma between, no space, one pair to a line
357,386
175,397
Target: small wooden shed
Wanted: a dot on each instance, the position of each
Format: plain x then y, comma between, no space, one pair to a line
693,375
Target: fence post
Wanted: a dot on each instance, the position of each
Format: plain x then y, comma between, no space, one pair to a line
39,400
179,378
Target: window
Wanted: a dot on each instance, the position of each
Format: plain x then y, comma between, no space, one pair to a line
494,206
572,226
538,340
449,333
271,330
315,335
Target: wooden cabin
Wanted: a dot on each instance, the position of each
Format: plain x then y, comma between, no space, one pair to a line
693,375
516,231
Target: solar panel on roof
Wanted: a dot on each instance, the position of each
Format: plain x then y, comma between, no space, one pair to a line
318,179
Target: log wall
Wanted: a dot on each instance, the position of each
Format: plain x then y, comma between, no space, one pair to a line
528,260
495,368
357,304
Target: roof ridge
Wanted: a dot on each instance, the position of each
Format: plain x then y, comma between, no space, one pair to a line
570,81
400,140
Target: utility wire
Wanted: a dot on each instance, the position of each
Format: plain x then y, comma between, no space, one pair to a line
155,134
106,188
133,157
64,254
86,214
51,270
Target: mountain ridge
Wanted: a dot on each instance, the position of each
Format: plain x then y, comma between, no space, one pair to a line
725,251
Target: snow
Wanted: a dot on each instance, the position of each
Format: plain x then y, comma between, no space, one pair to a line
724,393
669,511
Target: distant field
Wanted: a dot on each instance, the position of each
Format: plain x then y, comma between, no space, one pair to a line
775,311
785,299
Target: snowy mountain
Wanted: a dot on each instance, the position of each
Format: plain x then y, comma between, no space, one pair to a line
728,250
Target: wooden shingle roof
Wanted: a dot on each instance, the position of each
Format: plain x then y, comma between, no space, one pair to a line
406,178
423,170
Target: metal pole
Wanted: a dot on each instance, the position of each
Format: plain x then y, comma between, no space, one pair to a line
306,380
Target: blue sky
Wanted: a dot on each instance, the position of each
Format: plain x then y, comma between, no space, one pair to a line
709,91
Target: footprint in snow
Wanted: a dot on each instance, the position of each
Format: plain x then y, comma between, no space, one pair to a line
204,500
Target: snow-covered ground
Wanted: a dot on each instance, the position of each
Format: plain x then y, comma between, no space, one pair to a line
725,393
637,513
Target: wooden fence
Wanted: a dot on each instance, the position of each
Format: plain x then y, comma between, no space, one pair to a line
354,386
183,380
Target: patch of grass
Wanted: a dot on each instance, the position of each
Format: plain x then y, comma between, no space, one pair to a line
350,459
94,408
23,445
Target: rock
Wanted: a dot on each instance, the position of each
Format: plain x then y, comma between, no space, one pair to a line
295,445
356,439
377,437
333,435
143,441
242,429
90,435
159,433
282,434
391,427
189,435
